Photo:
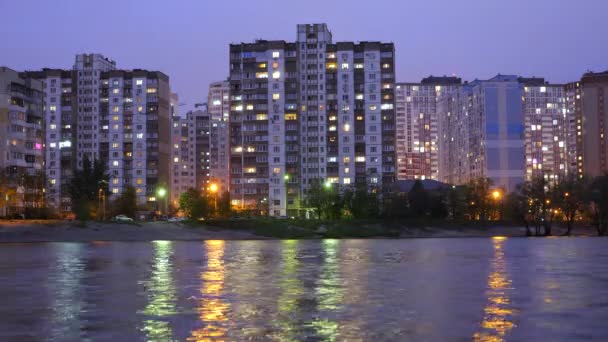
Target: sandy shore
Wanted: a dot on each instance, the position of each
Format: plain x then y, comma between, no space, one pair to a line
48,231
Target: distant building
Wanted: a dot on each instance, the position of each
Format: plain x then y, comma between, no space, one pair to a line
417,125
484,128
21,141
182,154
219,145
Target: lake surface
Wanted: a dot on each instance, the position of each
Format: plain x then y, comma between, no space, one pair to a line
485,289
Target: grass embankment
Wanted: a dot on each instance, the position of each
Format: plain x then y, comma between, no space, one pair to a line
302,229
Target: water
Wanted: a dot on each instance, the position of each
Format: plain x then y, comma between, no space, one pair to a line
486,289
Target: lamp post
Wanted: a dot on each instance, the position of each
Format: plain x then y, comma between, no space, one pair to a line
497,196
162,193
213,188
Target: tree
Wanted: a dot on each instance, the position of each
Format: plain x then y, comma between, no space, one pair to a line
85,185
193,204
418,200
570,197
8,193
477,196
318,198
223,205
598,197
516,208
455,202
126,203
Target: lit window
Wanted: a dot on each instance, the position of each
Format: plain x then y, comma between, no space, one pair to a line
331,65
275,54
176,160
372,107
359,159
139,135
262,65
217,102
139,181
139,82
250,170
115,181
359,97
346,180
261,75
386,66
332,128
249,107
291,116
53,181
276,170
114,145
344,66
115,91
276,74
346,127
333,118
238,108
140,109
115,163
52,126
53,145
276,96
358,65
53,109
261,116
386,106
115,109
175,145
543,89
346,170
359,118
151,90
115,117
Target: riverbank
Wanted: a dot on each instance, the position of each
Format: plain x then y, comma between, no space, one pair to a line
246,229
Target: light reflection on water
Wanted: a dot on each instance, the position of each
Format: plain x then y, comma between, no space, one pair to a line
212,308
498,314
329,290
161,294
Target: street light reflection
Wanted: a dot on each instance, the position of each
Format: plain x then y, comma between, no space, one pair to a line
498,314
212,309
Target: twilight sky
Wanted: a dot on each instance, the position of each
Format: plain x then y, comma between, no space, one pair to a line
188,40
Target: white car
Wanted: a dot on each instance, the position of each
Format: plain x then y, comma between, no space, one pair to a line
122,218
176,219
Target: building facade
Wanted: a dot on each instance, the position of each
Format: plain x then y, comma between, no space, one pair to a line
418,126
308,112
21,142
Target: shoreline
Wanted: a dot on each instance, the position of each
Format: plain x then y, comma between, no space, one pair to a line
63,231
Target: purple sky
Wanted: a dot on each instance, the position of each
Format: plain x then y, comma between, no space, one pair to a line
188,40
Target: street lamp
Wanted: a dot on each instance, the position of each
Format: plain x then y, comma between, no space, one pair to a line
162,193
213,188
497,196
327,184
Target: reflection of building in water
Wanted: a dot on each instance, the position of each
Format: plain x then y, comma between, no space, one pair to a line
498,314
213,309
161,294
291,292
328,292
65,284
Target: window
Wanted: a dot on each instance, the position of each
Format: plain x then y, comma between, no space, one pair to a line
276,74
261,75
360,159
139,82
276,96
344,66
275,54
115,163
346,180
140,109
53,109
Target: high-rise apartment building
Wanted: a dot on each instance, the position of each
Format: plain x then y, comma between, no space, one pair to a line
508,128
486,131
219,147
594,107
182,153
199,122
417,126
21,140
546,128
573,92
306,112
122,117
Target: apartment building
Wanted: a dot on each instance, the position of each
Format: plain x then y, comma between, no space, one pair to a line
309,111
219,149
573,92
594,108
546,128
487,132
263,130
418,126
199,122
95,111
182,153
60,100
21,140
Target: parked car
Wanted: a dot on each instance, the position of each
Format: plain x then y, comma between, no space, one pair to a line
177,219
122,218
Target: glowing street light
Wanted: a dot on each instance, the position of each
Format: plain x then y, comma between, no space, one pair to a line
213,187
327,184
496,195
286,177
161,192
